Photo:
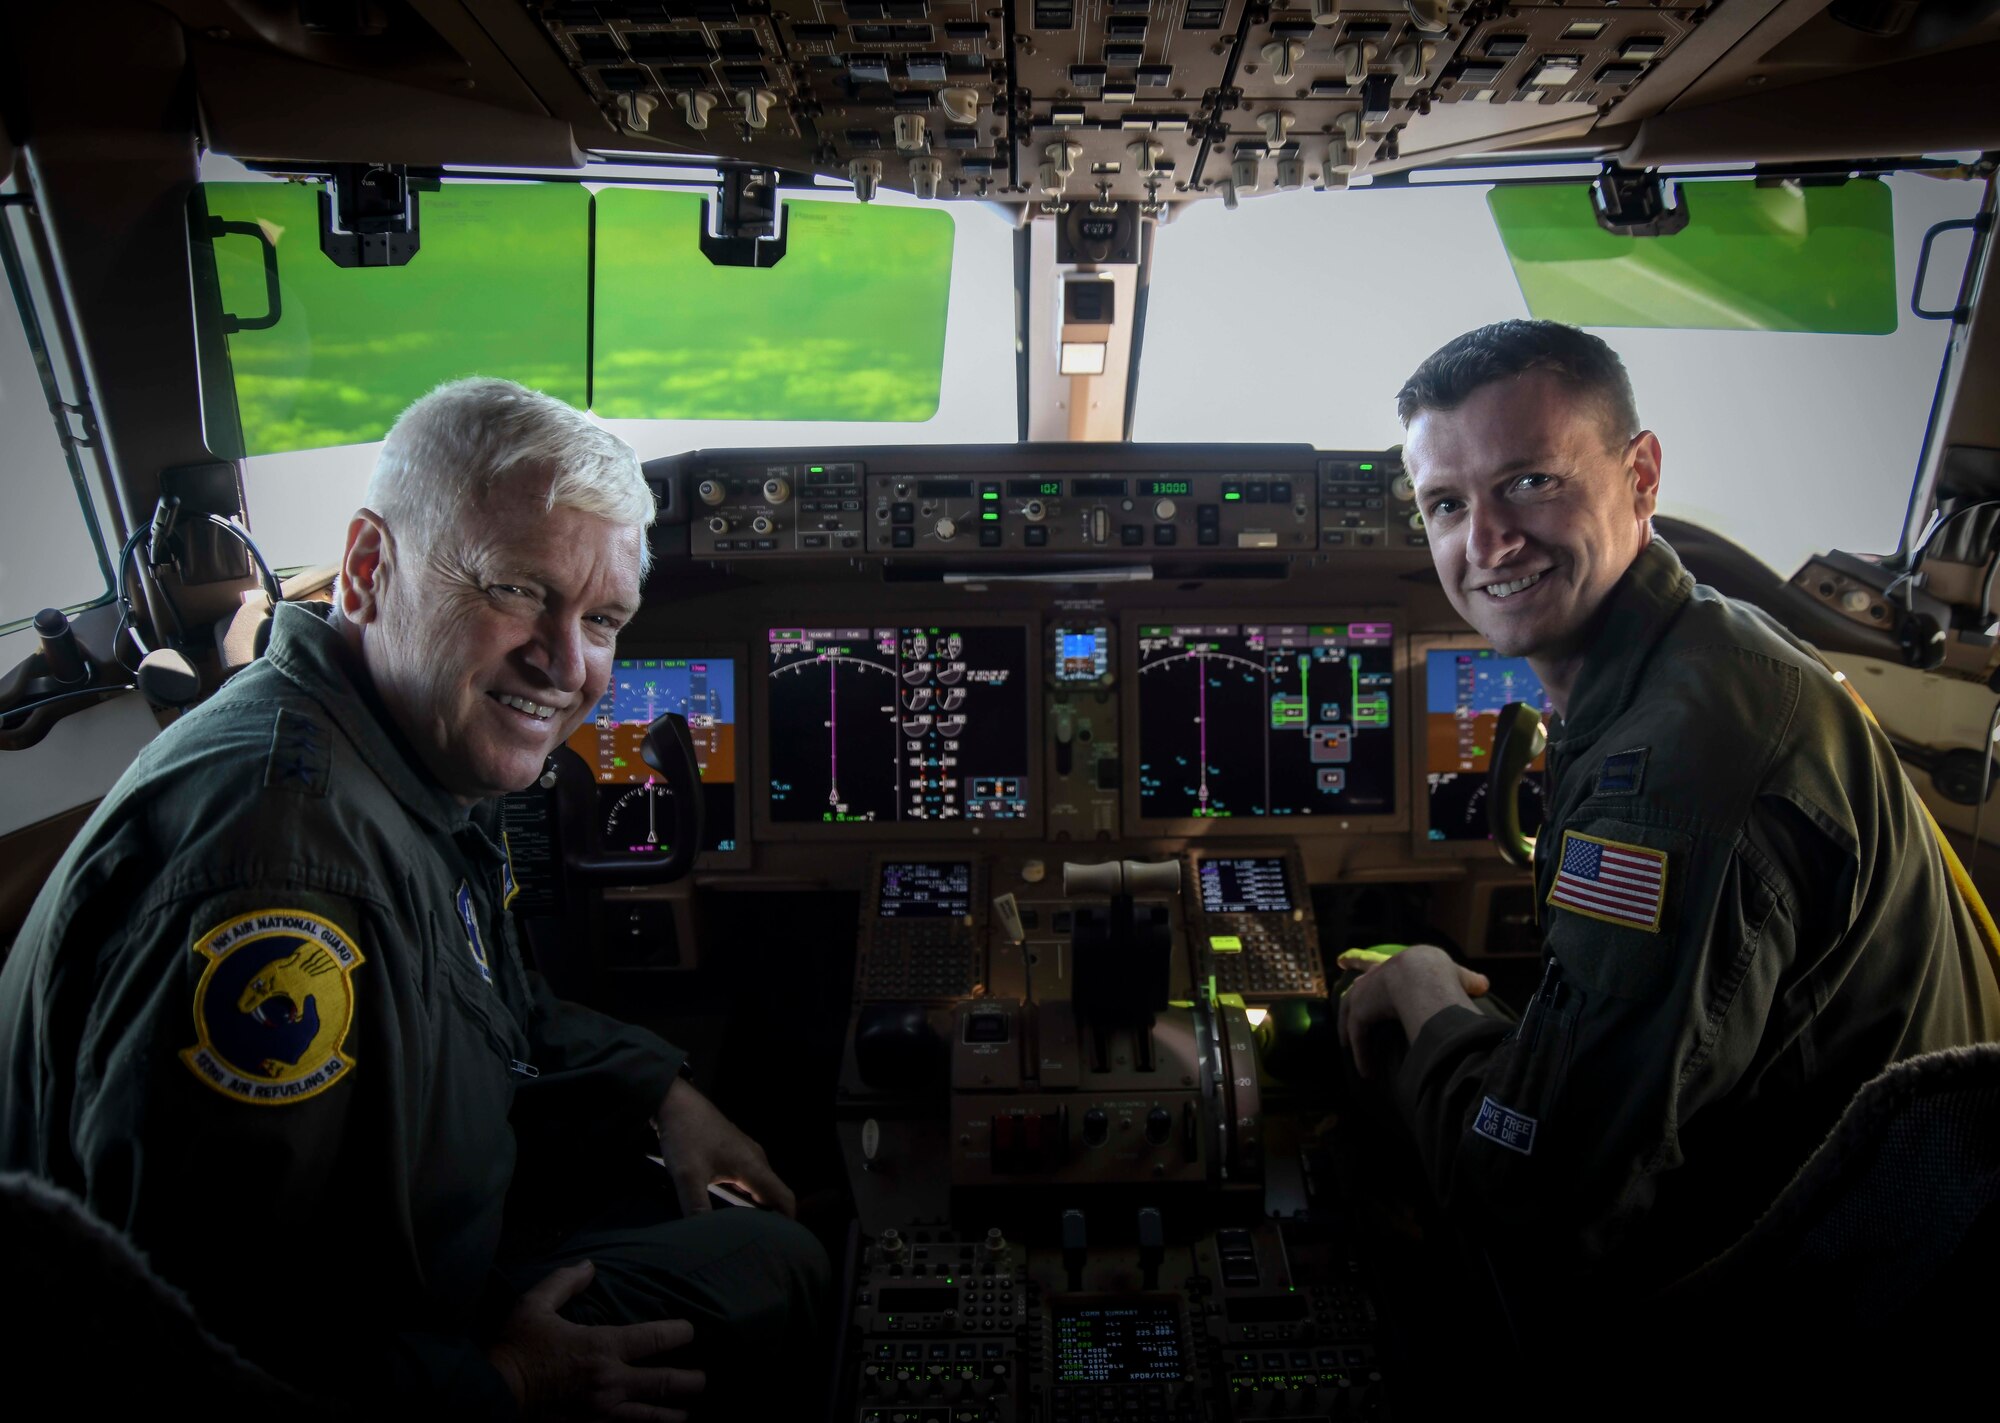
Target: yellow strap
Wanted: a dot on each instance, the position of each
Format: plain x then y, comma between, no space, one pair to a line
1967,890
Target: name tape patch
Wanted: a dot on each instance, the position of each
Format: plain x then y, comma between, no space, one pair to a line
1506,1127
1611,881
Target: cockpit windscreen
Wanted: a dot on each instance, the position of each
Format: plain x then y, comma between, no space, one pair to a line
899,724
1265,719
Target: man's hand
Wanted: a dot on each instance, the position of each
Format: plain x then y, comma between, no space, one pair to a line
1409,989
558,1369
699,1145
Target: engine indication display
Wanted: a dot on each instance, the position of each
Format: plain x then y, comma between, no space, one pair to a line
1464,689
1266,720
633,813
915,724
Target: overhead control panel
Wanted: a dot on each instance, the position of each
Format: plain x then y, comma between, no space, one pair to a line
1090,109
1037,501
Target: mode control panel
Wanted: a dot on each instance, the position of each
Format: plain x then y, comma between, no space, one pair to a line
1132,514
1368,502
777,509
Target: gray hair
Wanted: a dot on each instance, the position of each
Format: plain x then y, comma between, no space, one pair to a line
467,437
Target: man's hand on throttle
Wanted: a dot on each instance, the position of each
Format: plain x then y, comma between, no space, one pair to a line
558,1369
1407,989
700,1146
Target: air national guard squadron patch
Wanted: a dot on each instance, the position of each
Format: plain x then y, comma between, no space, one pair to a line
273,1008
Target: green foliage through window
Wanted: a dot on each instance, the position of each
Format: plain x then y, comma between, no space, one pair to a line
499,288
849,325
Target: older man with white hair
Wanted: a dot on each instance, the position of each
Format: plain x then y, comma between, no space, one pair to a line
268,1015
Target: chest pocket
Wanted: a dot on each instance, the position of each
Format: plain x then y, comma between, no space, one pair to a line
1614,896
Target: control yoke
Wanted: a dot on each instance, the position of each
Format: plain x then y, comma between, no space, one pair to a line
669,750
1518,738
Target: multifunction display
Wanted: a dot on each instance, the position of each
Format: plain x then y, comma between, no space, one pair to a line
1266,719
633,813
1464,689
1246,885
872,725
1119,1342
926,889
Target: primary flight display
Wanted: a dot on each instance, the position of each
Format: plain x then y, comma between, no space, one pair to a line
633,815
1464,690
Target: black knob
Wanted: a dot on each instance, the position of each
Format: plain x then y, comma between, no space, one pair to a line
1096,1127
1159,1125
59,650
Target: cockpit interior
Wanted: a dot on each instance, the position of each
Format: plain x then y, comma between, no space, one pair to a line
1062,676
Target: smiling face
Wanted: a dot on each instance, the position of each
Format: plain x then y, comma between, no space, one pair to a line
1534,512
494,645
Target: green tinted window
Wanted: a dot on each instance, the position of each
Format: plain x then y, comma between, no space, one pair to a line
1750,259
499,288
849,325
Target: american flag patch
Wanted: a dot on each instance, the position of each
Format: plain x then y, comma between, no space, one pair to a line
1604,879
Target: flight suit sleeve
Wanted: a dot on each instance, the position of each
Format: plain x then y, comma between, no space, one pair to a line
1548,1141
585,1054
249,1066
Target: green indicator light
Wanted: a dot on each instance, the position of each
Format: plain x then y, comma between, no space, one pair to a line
990,494
1232,496
817,468
993,514
1365,466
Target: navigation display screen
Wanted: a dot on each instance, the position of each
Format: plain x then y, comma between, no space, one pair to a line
1266,720
1119,1342
871,725
633,814
1464,689
1245,886
926,889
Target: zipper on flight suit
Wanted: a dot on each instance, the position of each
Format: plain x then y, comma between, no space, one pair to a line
1547,995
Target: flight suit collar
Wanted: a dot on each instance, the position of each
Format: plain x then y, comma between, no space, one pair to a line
308,650
1641,608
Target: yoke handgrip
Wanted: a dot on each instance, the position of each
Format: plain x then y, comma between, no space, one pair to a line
1518,738
669,750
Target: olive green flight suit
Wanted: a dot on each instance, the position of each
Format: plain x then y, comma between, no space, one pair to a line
268,1017
1745,916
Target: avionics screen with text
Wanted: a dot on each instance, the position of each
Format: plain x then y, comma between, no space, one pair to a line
1244,884
1116,1342
925,889
633,815
1464,689
871,725
1266,719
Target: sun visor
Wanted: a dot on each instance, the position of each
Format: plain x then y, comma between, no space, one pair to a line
1787,257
